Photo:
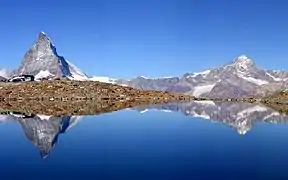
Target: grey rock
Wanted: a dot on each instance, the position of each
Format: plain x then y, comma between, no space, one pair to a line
161,84
43,56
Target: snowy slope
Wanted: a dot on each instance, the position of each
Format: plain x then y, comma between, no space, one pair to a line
43,74
103,79
77,74
198,90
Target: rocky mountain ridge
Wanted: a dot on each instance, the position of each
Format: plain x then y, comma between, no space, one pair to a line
239,78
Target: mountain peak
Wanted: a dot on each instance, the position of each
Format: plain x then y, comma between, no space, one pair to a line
43,37
243,59
243,62
42,59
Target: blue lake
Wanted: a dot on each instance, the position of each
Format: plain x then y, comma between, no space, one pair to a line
174,141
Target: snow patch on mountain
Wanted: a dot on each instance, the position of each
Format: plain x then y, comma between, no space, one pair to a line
253,109
242,64
43,74
199,90
203,116
144,111
103,79
203,73
44,117
274,78
210,103
243,61
255,81
155,78
77,74
162,110
271,115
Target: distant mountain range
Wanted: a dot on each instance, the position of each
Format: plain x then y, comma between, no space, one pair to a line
239,78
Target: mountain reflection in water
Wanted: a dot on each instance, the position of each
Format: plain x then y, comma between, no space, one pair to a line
239,116
43,130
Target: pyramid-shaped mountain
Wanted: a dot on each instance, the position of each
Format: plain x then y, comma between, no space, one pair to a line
42,61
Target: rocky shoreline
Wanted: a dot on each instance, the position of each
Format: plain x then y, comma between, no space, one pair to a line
62,97
60,108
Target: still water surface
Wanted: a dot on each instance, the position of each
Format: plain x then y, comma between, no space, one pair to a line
175,141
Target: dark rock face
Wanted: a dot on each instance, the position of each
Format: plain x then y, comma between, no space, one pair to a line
239,78
42,56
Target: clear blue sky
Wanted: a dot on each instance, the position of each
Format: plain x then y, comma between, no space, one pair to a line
126,38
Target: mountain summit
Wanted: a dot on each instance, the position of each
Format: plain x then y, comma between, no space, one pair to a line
243,62
42,61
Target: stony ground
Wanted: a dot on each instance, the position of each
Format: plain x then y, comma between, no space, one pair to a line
76,90
76,97
281,96
281,108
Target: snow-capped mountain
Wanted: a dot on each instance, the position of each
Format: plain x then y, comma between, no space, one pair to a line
240,78
42,61
239,116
